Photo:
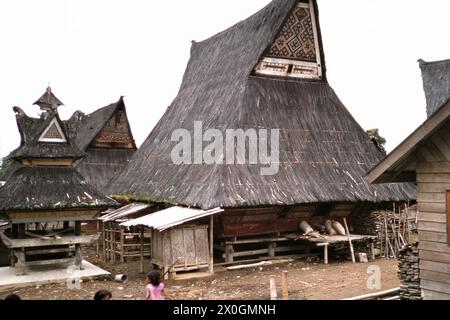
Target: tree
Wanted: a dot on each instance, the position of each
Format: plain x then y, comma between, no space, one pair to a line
378,141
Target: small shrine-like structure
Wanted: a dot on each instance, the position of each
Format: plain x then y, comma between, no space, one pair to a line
47,199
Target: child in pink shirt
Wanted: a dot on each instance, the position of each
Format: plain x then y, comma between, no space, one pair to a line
154,287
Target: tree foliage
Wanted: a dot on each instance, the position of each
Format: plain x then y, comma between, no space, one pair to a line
378,141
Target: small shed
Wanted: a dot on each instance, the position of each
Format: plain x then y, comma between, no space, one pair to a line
120,243
178,244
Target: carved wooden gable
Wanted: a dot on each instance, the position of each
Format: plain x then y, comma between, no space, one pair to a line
295,51
116,133
53,133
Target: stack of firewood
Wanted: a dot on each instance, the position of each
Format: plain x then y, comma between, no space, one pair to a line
393,229
409,273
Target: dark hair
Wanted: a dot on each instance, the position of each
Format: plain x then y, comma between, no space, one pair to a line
154,277
103,295
13,297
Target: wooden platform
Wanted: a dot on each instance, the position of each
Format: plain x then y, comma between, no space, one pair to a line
280,244
39,275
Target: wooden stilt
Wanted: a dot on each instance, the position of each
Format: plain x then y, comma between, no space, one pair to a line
20,265
113,244
78,257
372,250
352,252
105,259
98,240
271,249
325,251
229,253
78,254
211,244
122,242
21,231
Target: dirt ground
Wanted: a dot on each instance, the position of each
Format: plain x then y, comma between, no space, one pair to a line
311,280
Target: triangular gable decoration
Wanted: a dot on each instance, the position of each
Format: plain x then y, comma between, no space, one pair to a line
295,51
53,133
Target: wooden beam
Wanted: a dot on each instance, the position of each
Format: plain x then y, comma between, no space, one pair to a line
30,243
211,244
349,241
411,143
17,217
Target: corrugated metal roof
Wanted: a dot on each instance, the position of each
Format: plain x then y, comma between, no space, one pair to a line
124,211
171,217
4,224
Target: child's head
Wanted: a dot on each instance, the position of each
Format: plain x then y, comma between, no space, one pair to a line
154,278
103,295
12,297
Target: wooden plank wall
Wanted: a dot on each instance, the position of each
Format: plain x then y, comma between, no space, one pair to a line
433,183
270,220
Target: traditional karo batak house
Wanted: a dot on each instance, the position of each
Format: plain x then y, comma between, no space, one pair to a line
424,158
106,138
267,72
46,189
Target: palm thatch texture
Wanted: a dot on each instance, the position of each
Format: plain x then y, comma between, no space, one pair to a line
98,165
436,83
104,163
44,178
324,153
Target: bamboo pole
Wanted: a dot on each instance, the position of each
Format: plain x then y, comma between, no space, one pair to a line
141,266
122,242
387,237
376,294
352,252
98,240
396,241
273,289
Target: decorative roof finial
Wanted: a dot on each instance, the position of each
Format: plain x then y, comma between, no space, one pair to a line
48,101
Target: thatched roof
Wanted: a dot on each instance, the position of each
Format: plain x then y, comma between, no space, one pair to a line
30,131
101,164
48,101
93,123
436,83
400,164
97,165
50,188
324,153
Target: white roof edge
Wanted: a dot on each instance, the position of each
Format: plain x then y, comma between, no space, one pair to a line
124,211
171,217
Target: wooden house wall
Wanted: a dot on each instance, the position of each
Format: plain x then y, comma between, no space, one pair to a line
189,243
433,183
270,220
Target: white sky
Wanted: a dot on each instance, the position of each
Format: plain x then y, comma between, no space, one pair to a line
94,51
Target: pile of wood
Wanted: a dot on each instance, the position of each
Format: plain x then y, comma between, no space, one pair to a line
393,229
409,272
